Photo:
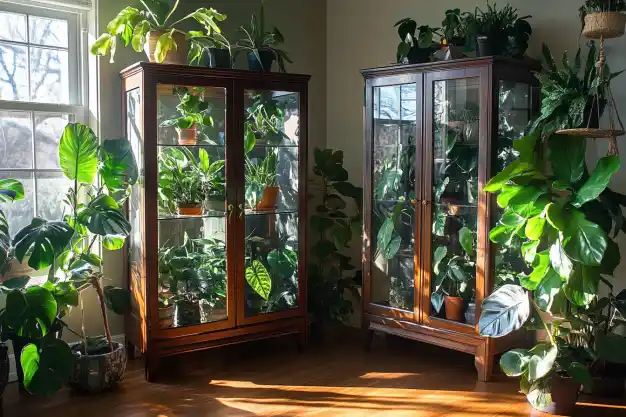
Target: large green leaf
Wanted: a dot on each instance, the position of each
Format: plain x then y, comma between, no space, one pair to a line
560,262
438,256
582,286
466,238
612,347
567,157
119,167
504,311
117,300
611,259
542,361
283,263
46,369
78,153
547,290
514,170
539,394
514,362
526,147
554,215
103,217
534,227
259,279
580,373
585,242
524,202
541,266
11,190
43,240
507,192
164,45
598,180
31,313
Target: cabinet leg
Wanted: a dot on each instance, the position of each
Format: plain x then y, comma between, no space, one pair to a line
153,363
130,351
368,338
301,340
483,361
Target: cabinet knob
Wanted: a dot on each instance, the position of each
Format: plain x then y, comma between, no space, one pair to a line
241,211
231,208
424,203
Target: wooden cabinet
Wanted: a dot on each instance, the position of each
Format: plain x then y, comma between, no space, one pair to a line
217,254
434,135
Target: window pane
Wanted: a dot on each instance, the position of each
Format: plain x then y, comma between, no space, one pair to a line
48,131
49,76
13,72
16,146
51,32
20,213
13,27
51,190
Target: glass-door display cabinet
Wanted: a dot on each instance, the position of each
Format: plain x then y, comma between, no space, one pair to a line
216,254
434,135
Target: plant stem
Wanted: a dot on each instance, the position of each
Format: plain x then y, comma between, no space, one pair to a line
545,325
95,281
171,12
82,322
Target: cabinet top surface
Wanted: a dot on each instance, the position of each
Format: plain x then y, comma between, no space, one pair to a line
395,69
169,69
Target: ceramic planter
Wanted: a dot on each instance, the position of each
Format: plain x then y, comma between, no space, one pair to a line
268,201
265,64
564,393
187,137
190,209
219,58
179,56
95,373
454,308
166,317
216,205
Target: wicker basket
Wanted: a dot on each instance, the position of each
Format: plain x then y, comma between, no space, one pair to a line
592,133
604,25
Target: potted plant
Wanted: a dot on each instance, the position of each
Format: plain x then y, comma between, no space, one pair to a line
216,46
150,29
262,46
194,114
261,189
603,18
498,32
454,28
266,117
415,49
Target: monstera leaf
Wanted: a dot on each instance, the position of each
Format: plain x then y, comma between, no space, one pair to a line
11,190
47,368
43,240
30,313
259,279
102,216
504,311
118,166
78,153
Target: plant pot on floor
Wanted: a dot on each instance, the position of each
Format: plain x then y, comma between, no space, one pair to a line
220,58
187,137
265,63
179,56
187,313
4,371
190,209
604,24
269,198
97,371
454,308
166,317
564,392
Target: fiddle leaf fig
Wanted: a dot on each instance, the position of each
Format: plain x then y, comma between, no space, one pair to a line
514,170
585,242
547,290
567,157
582,286
598,180
466,238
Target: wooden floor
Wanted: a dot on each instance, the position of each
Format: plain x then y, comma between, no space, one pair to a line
270,378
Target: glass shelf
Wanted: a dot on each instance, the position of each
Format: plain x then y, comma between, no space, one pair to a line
250,212
208,215
267,145
198,145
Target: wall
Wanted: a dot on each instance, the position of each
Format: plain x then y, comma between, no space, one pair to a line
360,34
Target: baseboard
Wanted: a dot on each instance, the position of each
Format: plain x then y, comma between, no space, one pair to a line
13,373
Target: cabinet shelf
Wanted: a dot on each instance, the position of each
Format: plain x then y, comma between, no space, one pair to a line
209,215
250,212
198,145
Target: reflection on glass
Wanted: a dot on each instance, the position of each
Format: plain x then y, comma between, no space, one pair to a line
49,76
50,205
16,146
271,137
48,131
515,104
393,179
455,195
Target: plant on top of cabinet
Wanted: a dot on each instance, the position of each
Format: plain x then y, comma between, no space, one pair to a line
603,17
498,32
217,46
150,29
454,27
194,115
415,49
262,46
330,270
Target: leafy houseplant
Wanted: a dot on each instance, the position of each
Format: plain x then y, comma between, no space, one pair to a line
261,189
261,45
330,271
151,30
266,119
215,45
413,48
498,32
194,114
454,28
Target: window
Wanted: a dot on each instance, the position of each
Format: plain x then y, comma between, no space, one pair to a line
40,91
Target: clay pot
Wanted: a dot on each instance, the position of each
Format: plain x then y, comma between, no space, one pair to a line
166,317
95,373
190,210
179,56
454,308
268,201
188,137
564,393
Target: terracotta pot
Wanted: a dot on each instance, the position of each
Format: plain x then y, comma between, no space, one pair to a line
179,56
190,210
188,137
454,308
95,373
268,201
166,317
564,393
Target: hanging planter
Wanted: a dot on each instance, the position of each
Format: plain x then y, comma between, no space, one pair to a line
605,25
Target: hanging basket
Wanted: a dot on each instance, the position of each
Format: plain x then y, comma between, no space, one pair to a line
605,25
591,133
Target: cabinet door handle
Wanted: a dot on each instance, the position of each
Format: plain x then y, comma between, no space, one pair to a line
241,211
231,208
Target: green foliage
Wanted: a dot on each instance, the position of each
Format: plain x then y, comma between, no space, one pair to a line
46,368
194,110
424,40
259,279
260,174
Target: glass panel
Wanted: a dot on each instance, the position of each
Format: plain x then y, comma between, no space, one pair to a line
14,73
393,186
20,213
49,76
192,205
16,145
49,32
271,191
48,132
515,104
51,189
12,27
455,197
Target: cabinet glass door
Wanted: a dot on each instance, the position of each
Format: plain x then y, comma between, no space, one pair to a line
454,152
192,221
393,214
271,190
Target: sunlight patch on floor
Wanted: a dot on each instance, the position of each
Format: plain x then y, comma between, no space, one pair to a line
385,375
